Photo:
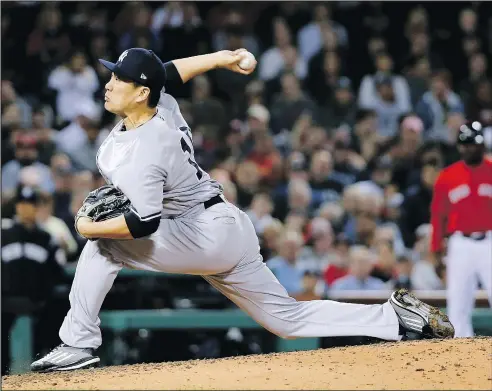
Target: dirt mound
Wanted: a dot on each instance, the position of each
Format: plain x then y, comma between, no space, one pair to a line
449,364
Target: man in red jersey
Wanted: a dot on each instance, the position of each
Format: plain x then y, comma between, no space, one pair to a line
461,210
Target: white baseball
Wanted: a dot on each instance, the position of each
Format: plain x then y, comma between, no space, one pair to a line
247,61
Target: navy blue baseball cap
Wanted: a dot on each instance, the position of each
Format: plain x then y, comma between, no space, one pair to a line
139,65
27,194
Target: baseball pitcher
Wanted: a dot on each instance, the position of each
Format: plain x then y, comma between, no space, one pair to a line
161,212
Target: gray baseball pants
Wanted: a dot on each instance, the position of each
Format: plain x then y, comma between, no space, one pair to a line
220,244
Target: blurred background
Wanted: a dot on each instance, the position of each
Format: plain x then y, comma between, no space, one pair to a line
331,146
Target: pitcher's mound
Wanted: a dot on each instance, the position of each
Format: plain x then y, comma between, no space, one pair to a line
436,364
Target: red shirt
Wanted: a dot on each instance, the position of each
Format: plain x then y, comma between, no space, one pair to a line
462,201
264,162
333,273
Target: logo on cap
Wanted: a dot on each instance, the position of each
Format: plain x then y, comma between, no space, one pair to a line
143,77
123,55
27,192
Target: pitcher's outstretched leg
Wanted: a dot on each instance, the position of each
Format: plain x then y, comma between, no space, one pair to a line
80,331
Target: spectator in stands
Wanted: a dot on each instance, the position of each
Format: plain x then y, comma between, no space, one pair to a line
329,45
286,269
420,48
47,45
81,139
362,222
169,15
206,109
230,192
436,103
296,220
75,81
234,24
403,150
375,19
415,209
290,104
376,44
383,244
10,98
323,83
333,212
342,108
257,123
84,156
10,128
56,227
417,22
471,45
346,162
267,159
319,252
193,37
380,172
61,170
468,22
299,197
392,207
255,92
100,48
305,136
9,45
325,186
247,182
139,31
369,93
269,240
86,21
295,196
260,212
417,76
404,267
232,85
480,103
338,266
31,265
82,183
387,105
477,71
469,37
309,39
424,276
273,60
45,135
26,155
365,138
359,278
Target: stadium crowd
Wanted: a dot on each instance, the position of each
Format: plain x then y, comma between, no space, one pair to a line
332,146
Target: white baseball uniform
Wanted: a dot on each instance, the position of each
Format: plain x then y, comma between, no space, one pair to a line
154,166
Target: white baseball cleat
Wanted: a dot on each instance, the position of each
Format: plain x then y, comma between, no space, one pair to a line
419,318
65,358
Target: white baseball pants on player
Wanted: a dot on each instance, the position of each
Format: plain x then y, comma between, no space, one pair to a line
467,262
220,244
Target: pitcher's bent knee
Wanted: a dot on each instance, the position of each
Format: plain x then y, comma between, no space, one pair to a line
280,330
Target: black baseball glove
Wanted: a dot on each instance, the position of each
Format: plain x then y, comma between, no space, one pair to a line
103,204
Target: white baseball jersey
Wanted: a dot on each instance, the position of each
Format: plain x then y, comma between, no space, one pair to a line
154,166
